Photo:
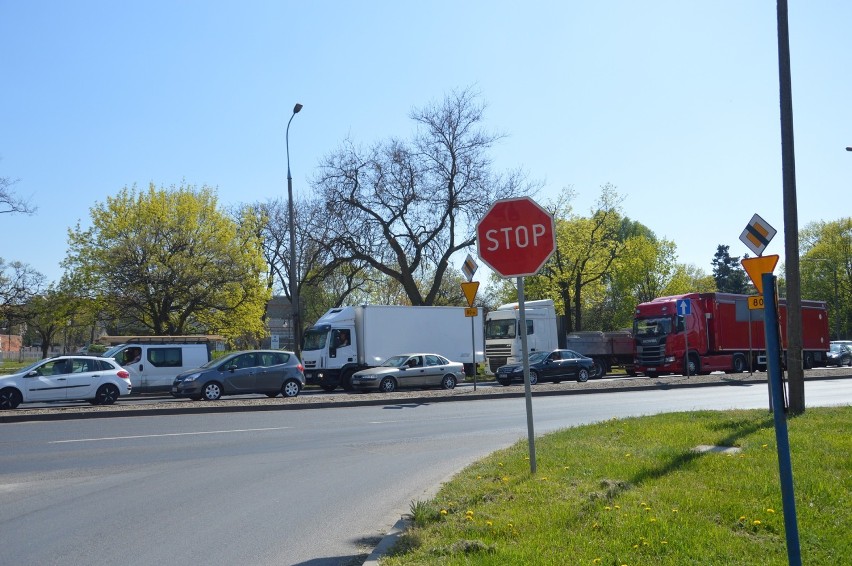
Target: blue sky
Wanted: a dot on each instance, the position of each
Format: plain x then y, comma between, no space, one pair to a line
673,102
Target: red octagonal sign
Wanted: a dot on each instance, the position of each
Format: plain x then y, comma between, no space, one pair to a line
515,237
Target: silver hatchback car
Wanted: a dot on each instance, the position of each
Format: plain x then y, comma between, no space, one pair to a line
410,370
270,372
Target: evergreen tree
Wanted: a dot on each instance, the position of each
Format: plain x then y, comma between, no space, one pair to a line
729,275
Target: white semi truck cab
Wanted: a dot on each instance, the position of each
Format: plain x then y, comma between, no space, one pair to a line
502,331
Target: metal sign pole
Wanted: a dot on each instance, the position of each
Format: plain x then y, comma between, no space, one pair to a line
527,389
782,440
473,349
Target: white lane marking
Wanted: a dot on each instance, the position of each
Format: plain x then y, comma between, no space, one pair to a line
167,434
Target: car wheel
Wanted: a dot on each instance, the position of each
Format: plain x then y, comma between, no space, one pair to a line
739,364
533,377
848,361
106,395
504,382
212,392
449,382
583,375
272,395
290,388
328,388
10,398
387,385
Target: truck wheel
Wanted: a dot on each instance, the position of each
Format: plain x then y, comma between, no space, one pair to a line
387,385
808,361
739,363
598,369
583,375
694,368
346,381
652,375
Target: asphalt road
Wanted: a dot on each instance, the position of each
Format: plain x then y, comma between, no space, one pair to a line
309,487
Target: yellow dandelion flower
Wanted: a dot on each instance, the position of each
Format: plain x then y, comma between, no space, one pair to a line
544,478
770,510
596,526
479,477
635,546
608,508
596,561
627,455
646,543
742,518
647,508
674,510
618,506
652,520
505,478
444,511
510,525
468,517
489,523
664,542
469,512
500,464
764,445
565,468
756,522
643,504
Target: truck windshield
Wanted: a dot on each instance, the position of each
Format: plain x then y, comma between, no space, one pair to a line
645,327
500,328
315,339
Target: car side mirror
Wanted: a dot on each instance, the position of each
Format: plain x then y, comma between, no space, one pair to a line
232,368
33,373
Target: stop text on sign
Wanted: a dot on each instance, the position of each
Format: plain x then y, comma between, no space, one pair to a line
514,236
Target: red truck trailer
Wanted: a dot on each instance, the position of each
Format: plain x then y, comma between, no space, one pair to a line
721,332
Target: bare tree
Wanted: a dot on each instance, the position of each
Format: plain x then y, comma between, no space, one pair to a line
11,203
404,208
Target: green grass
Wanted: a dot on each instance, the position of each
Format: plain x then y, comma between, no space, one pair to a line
632,492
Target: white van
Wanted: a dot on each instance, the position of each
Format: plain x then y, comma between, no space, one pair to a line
154,366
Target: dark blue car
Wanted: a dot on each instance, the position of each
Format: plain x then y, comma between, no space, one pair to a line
553,365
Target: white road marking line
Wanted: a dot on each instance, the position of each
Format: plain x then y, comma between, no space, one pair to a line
167,434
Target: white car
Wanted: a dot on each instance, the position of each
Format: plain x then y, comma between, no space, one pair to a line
99,381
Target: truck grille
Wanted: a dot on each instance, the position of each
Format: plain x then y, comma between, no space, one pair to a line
652,355
497,355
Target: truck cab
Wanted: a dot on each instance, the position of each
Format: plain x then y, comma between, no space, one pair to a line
330,349
503,337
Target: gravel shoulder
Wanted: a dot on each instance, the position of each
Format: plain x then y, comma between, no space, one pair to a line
461,393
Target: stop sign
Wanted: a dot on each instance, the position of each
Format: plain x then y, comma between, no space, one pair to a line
515,237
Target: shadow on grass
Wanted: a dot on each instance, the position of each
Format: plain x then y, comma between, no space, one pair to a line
739,428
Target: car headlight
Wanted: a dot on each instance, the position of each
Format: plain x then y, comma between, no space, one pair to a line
191,377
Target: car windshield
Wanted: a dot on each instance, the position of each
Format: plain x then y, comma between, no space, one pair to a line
216,361
536,357
646,327
500,328
315,339
112,351
837,347
32,366
394,361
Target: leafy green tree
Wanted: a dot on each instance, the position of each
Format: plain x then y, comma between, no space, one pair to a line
49,314
170,262
586,248
729,274
826,270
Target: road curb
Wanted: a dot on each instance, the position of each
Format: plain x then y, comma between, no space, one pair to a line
388,541
200,408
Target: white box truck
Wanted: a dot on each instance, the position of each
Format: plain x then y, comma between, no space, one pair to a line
502,339
348,339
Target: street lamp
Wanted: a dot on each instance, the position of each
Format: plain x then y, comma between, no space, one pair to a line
293,275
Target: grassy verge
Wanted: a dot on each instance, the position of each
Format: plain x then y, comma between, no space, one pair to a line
633,492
